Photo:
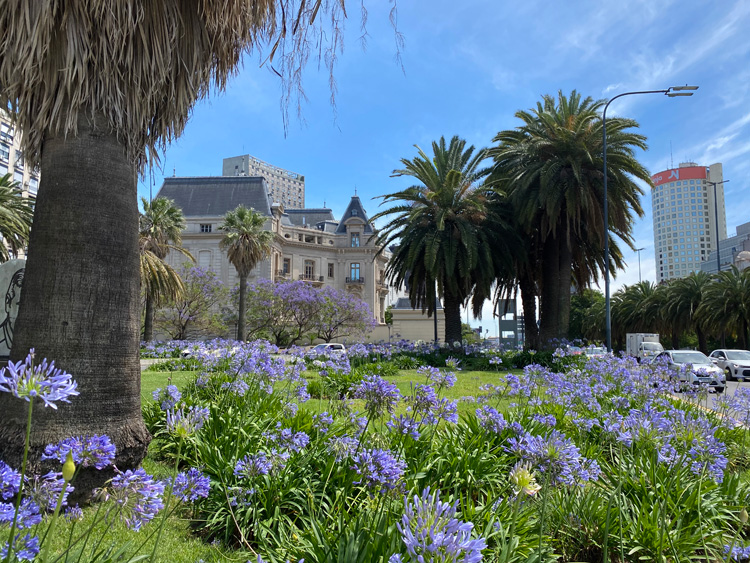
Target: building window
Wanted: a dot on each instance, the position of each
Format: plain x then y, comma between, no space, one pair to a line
355,240
4,153
330,270
287,268
354,271
354,212
205,228
309,269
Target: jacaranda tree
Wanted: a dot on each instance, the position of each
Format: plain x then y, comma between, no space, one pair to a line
97,87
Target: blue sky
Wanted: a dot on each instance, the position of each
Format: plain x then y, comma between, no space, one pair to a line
467,68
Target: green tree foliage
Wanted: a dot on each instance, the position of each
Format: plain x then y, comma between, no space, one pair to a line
438,225
551,168
725,305
16,214
580,304
246,243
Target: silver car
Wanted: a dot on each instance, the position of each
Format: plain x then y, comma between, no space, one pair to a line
702,369
735,363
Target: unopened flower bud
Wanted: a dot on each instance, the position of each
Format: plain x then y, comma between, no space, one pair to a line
69,467
743,516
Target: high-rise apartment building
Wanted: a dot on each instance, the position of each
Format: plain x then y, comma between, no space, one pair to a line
11,157
284,187
685,214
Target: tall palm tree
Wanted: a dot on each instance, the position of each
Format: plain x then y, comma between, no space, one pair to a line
438,224
552,164
684,296
161,226
725,304
16,213
98,87
246,243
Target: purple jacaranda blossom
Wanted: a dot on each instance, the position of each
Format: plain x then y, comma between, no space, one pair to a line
322,422
97,451
191,485
10,480
378,469
253,465
380,396
405,426
28,514
432,533
185,423
138,495
25,548
31,379
167,397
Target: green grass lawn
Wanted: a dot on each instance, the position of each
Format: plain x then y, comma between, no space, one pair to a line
152,380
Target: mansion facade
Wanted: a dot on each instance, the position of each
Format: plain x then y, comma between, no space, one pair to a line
309,244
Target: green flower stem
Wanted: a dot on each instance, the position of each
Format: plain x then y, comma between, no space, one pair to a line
51,529
20,485
166,501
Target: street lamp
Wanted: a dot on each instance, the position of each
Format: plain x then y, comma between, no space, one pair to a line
638,250
716,220
672,92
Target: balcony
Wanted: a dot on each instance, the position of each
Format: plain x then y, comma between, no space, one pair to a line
315,280
282,275
355,280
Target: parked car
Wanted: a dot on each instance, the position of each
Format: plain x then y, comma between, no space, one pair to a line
735,363
328,347
595,351
701,368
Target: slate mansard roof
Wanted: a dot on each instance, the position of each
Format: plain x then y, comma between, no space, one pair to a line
354,209
213,196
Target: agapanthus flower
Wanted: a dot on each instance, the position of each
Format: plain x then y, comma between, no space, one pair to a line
73,513
301,393
28,514
168,397
253,465
432,533
739,553
29,379
287,439
87,451
10,480
322,422
191,485
423,399
491,420
139,496
523,480
444,409
44,490
341,447
378,469
183,423
238,387
380,396
24,548
404,425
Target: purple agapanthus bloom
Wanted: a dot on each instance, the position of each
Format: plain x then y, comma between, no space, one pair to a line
287,439
238,387
491,420
138,495
405,426
87,451
24,548
183,423
44,490
29,379
341,447
379,469
431,532
191,485
28,514
252,465
444,409
167,397
380,396
739,553
322,422
10,480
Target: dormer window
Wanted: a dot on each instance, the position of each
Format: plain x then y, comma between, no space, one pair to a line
354,212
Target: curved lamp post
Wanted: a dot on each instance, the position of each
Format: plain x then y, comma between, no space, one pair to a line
672,92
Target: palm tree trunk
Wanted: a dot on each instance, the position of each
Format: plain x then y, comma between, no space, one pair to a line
80,303
702,345
241,312
452,310
148,323
549,317
528,299
564,279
